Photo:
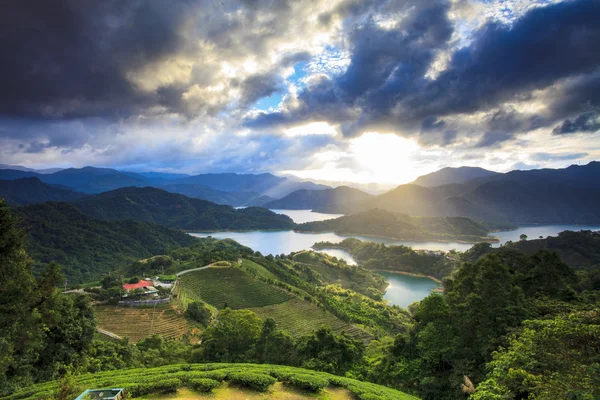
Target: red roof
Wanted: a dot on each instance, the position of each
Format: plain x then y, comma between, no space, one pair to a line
141,284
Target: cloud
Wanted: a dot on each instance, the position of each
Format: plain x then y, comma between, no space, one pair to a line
387,87
586,122
558,156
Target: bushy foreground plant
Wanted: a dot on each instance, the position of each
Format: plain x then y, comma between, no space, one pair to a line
250,380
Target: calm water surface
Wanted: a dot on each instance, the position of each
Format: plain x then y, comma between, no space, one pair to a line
406,289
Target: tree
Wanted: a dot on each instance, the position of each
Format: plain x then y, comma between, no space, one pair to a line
323,350
232,337
523,237
199,313
549,359
20,336
275,346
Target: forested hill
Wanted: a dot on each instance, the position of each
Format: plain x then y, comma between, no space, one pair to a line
178,211
580,250
26,191
329,199
87,247
401,226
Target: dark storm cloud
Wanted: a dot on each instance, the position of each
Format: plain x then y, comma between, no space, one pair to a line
70,58
386,80
586,122
260,85
385,64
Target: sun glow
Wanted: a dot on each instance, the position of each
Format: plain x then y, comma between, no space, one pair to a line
383,158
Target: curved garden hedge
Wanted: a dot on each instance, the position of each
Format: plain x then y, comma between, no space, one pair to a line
205,377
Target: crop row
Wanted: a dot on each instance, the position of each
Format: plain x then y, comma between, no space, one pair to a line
256,376
231,287
137,323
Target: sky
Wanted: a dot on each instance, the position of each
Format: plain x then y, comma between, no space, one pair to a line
331,90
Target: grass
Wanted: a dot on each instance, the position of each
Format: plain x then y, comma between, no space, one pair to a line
278,392
140,322
301,318
231,286
337,388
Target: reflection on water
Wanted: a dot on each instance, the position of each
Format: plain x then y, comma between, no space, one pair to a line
302,216
406,289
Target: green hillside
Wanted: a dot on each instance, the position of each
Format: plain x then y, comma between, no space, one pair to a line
378,222
87,247
32,190
206,377
220,286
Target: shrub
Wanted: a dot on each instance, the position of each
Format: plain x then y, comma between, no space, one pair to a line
159,386
203,384
307,382
217,375
259,382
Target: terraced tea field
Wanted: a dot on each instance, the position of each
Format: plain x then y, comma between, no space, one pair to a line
300,317
139,322
231,286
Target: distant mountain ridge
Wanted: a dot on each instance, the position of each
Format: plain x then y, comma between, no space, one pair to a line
449,175
563,196
235,199
251,187
318,200
26,191
266,184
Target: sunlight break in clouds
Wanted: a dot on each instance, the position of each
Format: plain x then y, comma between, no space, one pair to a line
376,157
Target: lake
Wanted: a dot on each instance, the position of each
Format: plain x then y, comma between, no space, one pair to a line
406,289
278,242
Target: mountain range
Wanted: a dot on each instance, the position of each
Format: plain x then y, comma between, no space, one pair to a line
560,196
230,189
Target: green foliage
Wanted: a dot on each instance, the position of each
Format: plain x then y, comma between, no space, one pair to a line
87,247
203,384
325,351
254,381
167,378
232,337
168,385
309,383
548,359
218,286
198,312
378,256
274,346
